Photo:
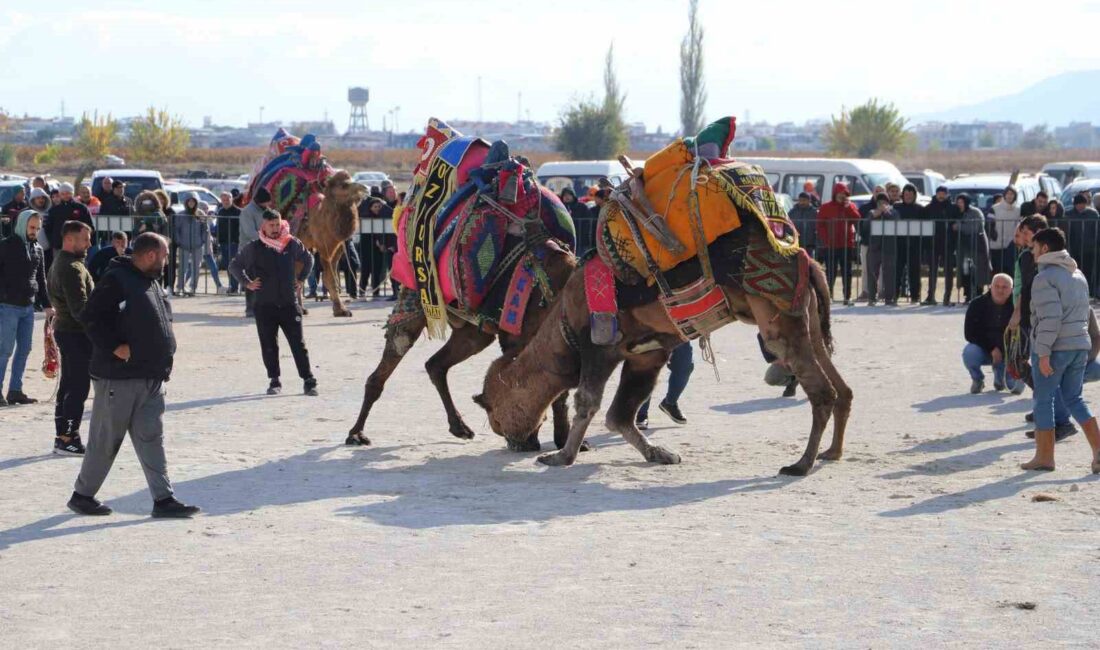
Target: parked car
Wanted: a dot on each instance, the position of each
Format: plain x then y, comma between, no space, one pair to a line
8,189
112,160
983,187
1090,185
789,175
12,177
1067,172
580,174
137,180
926,181
1051,185
370,178
177,194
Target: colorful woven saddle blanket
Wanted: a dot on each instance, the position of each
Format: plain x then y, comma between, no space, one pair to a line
294,172
743,258
727,194
471,222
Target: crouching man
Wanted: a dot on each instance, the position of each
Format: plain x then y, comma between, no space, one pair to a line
129,321
986,320
266,267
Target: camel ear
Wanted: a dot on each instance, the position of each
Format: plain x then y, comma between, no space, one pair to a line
480,400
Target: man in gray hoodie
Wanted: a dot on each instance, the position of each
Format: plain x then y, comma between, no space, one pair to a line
1060,346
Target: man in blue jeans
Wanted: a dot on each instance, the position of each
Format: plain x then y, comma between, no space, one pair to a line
1060,346
22,288
680,367
984,329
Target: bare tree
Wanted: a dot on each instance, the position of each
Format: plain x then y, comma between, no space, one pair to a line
693,90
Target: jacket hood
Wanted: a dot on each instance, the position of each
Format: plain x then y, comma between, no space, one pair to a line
147,204
1058,258
1015,195
841,188
21,222
36,193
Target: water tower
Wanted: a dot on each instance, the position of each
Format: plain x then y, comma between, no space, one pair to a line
357,123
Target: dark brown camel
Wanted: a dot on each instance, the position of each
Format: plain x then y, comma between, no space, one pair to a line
465,341
518,390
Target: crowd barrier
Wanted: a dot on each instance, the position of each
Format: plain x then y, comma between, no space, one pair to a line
947,260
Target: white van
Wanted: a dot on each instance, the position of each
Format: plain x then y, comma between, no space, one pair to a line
580,174
789,175
1067,172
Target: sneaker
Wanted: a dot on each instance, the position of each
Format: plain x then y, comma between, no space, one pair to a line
929,302
872,303
998,386
948,303
91,506
1030,417
673,412
169,508
642,423
790,389
977,386
274,388
74,447
19,397
221,291
1061,432
891,303
310,387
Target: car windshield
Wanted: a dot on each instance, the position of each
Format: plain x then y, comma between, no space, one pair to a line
1074,190
135,186
883,178
980,197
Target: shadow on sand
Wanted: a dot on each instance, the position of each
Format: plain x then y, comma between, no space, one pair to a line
760,404
466,490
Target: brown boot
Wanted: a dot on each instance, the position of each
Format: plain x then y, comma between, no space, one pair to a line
1092,434
1044,452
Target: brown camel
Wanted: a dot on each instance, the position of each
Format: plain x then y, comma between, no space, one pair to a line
518,390
465,341
331,223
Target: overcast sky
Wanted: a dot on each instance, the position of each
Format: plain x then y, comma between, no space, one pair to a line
783,60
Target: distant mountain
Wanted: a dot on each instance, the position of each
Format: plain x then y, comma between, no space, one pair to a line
1055,101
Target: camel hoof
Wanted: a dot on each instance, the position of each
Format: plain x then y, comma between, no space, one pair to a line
556,460
830,454
662,456
794,470
462,431
356,439
531,444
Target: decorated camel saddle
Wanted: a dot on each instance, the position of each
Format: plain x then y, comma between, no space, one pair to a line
293,171
690,219
472,232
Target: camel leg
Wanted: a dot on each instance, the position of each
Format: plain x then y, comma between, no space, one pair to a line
398,342
789,339
636,382
463,343
596,369
843,407
329,278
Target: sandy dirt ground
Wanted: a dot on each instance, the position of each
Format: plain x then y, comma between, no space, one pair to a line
926,534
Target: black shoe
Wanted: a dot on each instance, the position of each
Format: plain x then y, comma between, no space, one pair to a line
19,397
310,387
673,412
83,505
948,303
169,508
1061,432
641,423
929,302
274,388
891,303
311,294
1030,417
3,402
998,386
74,447
792,385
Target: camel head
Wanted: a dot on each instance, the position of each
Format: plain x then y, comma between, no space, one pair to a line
512,410
344,192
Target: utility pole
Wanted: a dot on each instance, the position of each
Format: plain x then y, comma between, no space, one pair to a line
261,115
519,107
479,114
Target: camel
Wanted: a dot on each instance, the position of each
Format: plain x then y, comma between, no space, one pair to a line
330,223
517,390
465,341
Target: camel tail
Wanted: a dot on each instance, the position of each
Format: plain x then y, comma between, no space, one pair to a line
824,302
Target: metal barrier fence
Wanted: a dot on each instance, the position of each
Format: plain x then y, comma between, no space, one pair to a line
886,259
362,271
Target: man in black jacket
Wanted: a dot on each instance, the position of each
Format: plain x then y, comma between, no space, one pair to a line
22,289
986,319
229,235
10,212
117,203
909,247
129,321
266,267
942,249
99,263
67,209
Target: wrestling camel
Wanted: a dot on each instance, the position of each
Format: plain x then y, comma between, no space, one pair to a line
561,356
331,222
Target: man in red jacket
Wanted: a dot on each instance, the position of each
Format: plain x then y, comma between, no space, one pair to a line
836,238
